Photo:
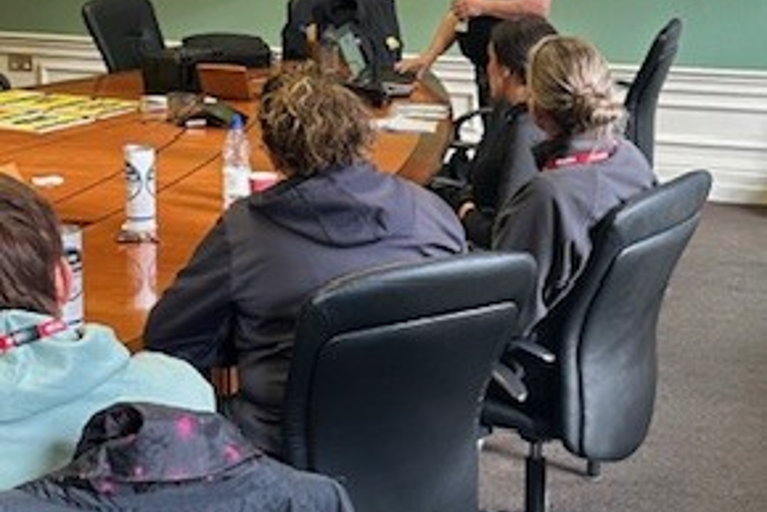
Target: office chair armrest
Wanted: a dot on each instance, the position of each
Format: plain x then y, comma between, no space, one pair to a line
439,182
461,120
509,375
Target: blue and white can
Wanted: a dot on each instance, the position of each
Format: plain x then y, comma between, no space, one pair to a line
141,205
73,311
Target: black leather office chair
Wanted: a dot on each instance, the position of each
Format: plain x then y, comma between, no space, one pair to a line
123,31
388,373
642,97
5,84
597,397
455,170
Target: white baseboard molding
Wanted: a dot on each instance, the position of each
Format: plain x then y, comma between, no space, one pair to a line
716,120
707,118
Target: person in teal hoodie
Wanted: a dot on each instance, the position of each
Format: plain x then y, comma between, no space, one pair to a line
54,377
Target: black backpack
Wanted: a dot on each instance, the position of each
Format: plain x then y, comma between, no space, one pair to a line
175,69
373,21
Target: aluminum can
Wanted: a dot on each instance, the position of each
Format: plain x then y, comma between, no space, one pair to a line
73,311
141,205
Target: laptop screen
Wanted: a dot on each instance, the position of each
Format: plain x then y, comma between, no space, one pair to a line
350,50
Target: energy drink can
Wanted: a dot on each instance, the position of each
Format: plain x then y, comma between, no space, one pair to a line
141,207
73,312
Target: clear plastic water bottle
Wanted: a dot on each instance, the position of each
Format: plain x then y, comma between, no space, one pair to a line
236,171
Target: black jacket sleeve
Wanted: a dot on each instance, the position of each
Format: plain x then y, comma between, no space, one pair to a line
192,320
478,226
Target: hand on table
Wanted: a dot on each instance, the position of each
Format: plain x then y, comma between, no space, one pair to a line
417,65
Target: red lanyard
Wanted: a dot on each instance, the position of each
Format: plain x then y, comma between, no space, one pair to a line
31,334
582,158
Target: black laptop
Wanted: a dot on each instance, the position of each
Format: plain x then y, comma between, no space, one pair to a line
364,73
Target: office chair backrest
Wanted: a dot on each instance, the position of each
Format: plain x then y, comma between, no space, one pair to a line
388,372
642,97
604,332
123,31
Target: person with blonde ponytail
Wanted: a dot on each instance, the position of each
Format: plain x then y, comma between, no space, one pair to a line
587,166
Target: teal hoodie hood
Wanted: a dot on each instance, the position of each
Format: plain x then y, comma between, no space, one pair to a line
50,371
49,389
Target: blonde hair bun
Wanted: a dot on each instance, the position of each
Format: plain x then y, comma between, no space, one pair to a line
571,81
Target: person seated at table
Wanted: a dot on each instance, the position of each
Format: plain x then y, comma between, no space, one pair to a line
53,377
334,213
587,166
503,161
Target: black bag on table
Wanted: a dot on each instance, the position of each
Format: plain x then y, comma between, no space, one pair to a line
243,49
172,69
175,69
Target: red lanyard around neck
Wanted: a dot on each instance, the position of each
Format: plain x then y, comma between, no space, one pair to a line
31,334
580,158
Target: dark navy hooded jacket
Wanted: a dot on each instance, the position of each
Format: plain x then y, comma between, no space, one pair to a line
238,298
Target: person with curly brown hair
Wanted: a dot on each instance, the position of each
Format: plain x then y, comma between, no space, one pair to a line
334,213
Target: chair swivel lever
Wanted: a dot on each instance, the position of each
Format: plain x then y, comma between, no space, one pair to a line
510,381
534,349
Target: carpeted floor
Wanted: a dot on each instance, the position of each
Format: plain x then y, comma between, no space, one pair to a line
707,448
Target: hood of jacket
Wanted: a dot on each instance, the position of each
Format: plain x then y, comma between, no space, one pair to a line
133,443
341,206
52,370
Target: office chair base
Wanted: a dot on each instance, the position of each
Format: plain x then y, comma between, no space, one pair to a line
535,479
593,470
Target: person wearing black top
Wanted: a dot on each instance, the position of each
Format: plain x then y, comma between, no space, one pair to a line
470,22
504,161
374,22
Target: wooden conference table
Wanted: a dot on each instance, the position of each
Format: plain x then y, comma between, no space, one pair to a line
122,281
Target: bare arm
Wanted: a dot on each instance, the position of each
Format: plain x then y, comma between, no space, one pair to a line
500,8
463,9
440,42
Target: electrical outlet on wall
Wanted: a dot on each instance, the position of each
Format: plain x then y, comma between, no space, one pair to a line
19,63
